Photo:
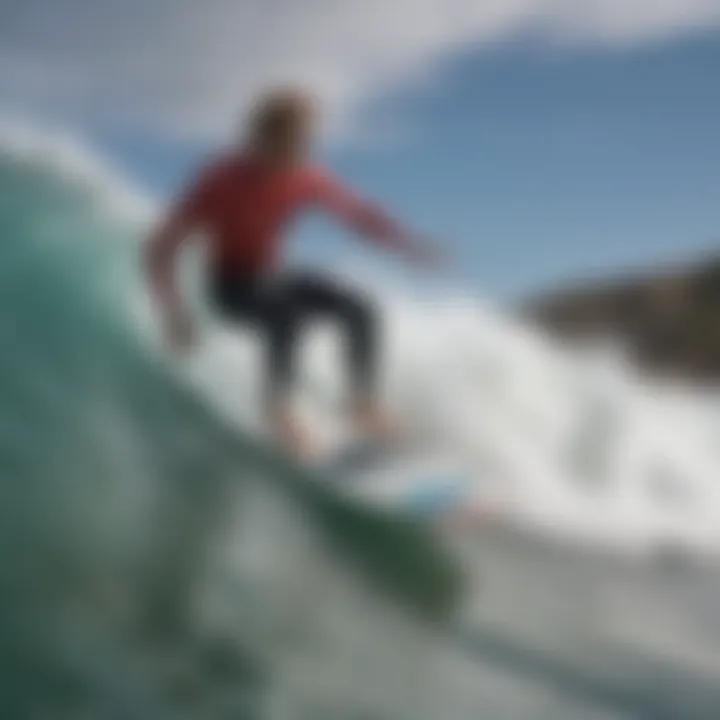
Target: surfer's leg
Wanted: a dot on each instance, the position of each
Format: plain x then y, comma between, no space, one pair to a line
315,296
283,316
253,303
359,322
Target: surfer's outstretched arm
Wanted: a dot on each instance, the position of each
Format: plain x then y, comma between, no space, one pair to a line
369,220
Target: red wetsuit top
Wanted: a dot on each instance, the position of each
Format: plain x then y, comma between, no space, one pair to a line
244,208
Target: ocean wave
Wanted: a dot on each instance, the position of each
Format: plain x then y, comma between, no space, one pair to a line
121,484
132,517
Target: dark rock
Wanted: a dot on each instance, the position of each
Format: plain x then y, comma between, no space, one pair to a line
668,320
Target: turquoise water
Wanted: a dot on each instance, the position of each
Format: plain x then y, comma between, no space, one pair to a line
123,497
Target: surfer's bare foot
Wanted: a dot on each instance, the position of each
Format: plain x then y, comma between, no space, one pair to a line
292,436
375,423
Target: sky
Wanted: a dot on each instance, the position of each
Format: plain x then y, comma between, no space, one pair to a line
538,140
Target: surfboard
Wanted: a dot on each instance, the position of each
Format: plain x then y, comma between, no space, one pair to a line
422,483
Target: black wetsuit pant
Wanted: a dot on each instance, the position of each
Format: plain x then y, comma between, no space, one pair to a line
281,306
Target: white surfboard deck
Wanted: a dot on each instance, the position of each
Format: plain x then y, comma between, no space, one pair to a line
422,483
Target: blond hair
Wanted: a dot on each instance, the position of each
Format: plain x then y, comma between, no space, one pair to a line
279,122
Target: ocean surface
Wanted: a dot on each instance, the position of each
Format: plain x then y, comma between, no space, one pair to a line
157,561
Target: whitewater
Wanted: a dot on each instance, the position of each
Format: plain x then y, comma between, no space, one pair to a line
122,485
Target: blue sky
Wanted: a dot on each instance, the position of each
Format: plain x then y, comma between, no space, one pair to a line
538,151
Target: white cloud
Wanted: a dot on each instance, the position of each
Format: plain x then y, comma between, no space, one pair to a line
188,65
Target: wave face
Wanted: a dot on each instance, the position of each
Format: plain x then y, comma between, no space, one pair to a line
129,513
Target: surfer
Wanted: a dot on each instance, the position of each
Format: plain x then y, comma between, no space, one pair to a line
242,202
